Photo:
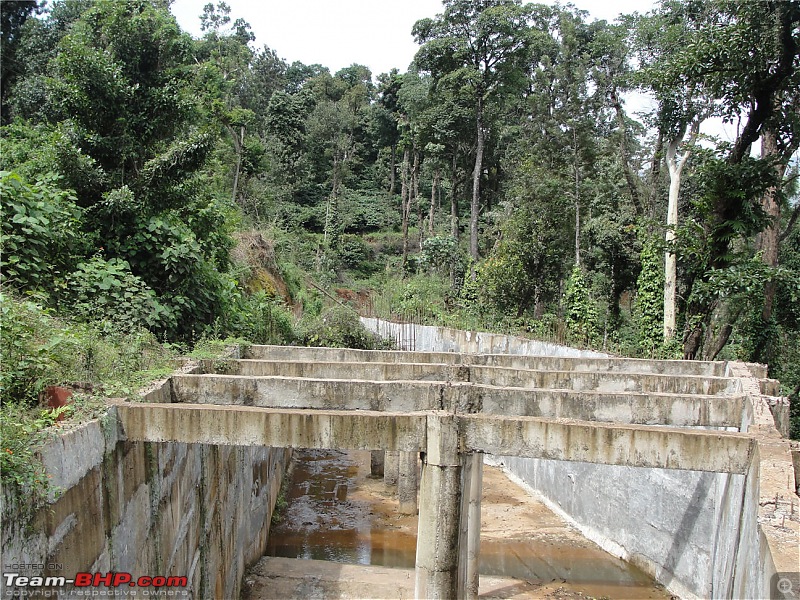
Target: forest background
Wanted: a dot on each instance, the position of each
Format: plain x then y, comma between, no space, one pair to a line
160,190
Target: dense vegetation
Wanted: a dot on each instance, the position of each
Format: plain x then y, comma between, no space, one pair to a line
203,188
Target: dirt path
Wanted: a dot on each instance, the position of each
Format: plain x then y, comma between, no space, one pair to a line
526,550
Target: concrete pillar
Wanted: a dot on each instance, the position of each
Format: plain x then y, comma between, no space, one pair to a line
470,528
407,483
439,511
376,462
391,468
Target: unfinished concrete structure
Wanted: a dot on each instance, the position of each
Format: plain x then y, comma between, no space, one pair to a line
676,466
689,419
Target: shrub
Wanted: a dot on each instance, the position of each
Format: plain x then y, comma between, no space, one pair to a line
40,232
262,319
580,313
340,327
648,311
105,292
25,350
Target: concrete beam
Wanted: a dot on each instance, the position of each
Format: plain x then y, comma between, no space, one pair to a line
327,394
653,447
498,375
249,426
549,363
367,371
676,410
625,407
601,381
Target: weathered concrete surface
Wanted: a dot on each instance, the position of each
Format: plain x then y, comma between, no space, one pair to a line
495,375
284,392
535,362
440,502
443,339
532,437
653,447
376,463
692,410
407,480
175,509
391,468
470,533
704,535
284,428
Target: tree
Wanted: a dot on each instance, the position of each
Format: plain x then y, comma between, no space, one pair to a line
742,59
483,47
13,15
115,110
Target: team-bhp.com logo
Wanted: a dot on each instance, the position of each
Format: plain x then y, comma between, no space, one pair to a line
95,585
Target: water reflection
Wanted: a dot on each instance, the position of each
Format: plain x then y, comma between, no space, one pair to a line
324,521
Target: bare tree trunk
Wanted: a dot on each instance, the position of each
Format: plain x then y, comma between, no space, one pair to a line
675,167
476,181
577,200
630,175
767,240
392,169
238,145
415,185
655,169
405,204
454,198
432,210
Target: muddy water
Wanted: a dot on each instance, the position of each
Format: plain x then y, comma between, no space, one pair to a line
324,520
337,513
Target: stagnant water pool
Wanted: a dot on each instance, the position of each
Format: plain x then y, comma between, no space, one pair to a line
336,512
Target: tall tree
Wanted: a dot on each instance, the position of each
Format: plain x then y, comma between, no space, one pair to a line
484,47
13,14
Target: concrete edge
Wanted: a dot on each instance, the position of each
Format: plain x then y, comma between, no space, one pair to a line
778,501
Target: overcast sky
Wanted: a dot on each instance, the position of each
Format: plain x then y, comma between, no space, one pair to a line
375,33
338,33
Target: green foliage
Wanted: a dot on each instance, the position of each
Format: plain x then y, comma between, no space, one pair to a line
439,254
356,256
501,281
24,432
108,294
649,306
27,351
339,327
40,232
40,349
262,319
580,312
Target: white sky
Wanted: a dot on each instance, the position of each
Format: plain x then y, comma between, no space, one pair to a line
338,33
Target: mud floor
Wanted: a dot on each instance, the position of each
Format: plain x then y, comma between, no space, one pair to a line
338,517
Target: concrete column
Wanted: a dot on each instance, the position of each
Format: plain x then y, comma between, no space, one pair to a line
376,462
407,483
470,541
439,511
391,468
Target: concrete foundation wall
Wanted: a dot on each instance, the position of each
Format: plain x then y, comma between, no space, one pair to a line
679,526
148,508
443,339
